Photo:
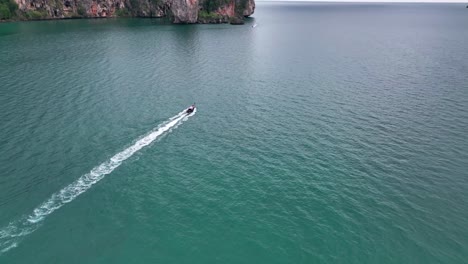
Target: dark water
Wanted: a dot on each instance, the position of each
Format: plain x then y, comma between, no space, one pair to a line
328,133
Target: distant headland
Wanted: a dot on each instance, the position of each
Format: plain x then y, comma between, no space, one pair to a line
178,11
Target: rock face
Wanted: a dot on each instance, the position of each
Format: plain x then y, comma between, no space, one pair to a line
179,11
184,11
236,21
249,8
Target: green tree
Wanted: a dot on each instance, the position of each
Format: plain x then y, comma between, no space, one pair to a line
8,9
12,5
81,11
4,12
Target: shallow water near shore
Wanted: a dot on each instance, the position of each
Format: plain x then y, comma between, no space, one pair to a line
328,133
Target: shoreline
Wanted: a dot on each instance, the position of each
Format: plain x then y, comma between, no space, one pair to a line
127,17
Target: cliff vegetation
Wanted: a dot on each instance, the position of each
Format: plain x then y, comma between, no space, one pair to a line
8,9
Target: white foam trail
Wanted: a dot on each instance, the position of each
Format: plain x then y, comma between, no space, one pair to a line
11,234
8,248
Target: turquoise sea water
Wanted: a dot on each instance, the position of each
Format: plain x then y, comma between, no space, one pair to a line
328,133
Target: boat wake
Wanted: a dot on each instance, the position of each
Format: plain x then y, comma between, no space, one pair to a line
12,234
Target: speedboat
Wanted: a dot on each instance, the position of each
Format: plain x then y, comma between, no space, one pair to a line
190,109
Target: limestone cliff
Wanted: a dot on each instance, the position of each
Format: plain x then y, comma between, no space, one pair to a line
179,11
184,11
249,8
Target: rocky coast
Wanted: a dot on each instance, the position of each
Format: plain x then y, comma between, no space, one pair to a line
178,11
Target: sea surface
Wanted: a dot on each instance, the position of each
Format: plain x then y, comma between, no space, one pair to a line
327,133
